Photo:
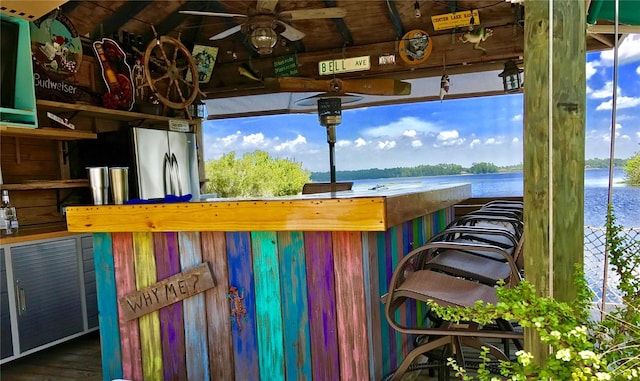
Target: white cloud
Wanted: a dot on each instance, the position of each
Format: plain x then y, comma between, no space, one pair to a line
343,143
400,127
517,118
474,143
621,102
448,138
230,139
605,92
638,70
360,142
628,52
409,133
448,135
416,143
490,141
254,139
591,70
387,144
515,140
291,145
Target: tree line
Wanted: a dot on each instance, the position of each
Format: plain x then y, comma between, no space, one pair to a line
257,174
441,170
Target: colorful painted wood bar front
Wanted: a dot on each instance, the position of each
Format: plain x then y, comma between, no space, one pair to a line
286,305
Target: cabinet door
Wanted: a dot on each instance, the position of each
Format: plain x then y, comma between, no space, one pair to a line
89,271
47,284
6,342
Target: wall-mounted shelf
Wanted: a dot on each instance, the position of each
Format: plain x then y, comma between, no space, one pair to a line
47,184
46,133
136,118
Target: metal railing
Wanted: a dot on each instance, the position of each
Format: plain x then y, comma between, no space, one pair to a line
599,280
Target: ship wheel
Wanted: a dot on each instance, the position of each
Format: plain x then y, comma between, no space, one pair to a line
168,64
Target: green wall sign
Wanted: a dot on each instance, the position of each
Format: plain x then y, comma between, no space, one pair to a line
286,66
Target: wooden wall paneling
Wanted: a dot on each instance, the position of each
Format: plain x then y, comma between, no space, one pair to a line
111,354
295,306
167,255
214,251
195,317
322,313
126,283
150,342
243,307
29,159
351,312
269,330
372,300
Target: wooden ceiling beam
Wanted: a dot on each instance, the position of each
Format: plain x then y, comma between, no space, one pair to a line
394,16
503,47
341,26
118,18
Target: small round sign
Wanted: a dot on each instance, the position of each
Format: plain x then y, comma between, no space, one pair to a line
415,47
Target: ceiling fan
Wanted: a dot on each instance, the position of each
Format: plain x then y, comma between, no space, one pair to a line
263,24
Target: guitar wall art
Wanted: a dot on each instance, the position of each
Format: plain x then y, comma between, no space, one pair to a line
116,73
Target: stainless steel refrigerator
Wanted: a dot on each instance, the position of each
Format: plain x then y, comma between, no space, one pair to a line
165,163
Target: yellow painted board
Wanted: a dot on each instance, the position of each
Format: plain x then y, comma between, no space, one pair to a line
359,214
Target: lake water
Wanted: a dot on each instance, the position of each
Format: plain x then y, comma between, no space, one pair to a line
626,198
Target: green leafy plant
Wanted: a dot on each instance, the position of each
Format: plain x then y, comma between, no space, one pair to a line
581,347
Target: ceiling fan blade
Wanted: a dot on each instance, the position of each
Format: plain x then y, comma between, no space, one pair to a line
226,33
269,5
291,33
357,86
217,14
312,14
376,86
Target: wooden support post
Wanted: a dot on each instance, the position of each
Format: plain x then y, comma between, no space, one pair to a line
554,138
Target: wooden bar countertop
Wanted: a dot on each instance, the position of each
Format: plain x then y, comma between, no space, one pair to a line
356,210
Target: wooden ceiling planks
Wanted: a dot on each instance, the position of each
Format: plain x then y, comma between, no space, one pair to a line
370,27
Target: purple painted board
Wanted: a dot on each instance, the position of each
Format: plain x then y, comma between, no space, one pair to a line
351,314
126,283
322,304
243,306
171,320
214,251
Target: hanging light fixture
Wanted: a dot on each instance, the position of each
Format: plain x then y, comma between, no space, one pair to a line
197,109
263,38
511,79
416,10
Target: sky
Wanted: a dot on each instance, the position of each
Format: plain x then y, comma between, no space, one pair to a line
458,131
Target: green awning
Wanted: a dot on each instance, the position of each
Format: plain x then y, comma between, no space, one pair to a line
604,10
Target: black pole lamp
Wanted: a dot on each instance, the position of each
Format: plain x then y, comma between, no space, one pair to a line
197,109
511,78
330,115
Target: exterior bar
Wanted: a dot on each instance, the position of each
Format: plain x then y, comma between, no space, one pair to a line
297,283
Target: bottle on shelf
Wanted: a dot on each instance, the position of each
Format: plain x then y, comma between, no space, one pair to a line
110,75
9,220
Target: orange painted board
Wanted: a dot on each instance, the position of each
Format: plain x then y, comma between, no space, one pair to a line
218,309
125,283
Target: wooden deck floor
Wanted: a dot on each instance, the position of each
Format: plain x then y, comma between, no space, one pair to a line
77,359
